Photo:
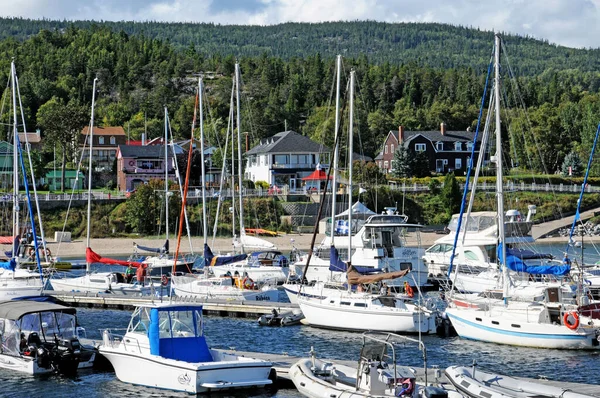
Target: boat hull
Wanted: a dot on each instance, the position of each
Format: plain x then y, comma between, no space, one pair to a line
184,376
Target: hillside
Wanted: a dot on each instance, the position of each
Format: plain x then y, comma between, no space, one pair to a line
428,44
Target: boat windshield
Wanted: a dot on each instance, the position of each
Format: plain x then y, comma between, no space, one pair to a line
173,324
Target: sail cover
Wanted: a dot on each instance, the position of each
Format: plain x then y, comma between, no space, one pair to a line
15,249
10,265
161,250
354,278
211,259
514,263
92,257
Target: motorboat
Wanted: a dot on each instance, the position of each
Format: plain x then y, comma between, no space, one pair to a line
362,310
240,288
275,318
165,347
477,383
378,373
41,337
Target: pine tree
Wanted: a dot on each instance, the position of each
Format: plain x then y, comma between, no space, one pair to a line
402,163
573,161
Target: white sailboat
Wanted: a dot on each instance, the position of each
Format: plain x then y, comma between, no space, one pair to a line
15,279
521,323
362,310
99,282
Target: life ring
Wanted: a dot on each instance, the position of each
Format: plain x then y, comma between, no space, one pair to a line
248,283
409,291
131,163
164,280
575,316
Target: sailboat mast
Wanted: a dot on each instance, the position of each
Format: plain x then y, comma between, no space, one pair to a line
166,176
239,135
89,203
203,169
13,73
231,115
350,157
499,186
336,146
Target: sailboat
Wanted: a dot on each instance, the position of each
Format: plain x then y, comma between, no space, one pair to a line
98,282
551,323
161,265
356,310
15,279
236,286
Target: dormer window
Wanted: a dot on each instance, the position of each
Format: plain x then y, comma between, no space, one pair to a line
457,146
439,146
112,141
101,140
469,146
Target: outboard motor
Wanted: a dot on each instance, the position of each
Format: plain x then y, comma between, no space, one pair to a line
65,355
434,392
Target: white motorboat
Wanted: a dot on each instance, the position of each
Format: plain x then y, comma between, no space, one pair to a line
102,282
41,337
356,310
378,373
475,383
224,288
165,347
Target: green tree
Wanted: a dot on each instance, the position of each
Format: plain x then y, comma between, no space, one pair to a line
402,164
62,124
450,195
572,161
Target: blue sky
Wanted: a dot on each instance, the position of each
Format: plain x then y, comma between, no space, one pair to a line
573,23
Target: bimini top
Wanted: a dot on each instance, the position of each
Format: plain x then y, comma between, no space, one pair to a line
14,310
383,220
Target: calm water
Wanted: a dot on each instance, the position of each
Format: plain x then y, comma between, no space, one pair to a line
245,334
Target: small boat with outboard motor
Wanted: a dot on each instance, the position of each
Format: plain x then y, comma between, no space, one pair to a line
275,318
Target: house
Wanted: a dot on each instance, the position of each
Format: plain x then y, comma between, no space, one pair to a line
33,139
104,148
446,151
284,159
139,164
74,179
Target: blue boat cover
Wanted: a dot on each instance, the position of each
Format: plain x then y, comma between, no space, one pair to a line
515,263
10,264
15,249
524,254
211,259
279,260
337,265
162,250
188,348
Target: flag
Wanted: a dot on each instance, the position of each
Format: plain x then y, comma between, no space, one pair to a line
361,190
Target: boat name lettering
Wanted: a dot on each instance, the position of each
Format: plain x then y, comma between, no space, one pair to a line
263,298
408,252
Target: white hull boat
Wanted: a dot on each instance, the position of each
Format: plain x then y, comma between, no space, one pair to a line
164,347
221,288
101,282
475,383
268,266
19,283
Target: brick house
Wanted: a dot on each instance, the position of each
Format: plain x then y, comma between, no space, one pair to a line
106,142
447,151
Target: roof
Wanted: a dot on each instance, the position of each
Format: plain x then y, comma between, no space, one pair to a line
58,173
118,130
6,148
32,138
436,136
15,309
288,142
143,151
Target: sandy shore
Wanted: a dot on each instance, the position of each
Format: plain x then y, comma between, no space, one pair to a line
124,246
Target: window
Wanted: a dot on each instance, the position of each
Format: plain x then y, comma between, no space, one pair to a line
386,149
469,146
392,148
112,141
457,146
445,162
419,147
439,146
385,164
281,159
458,163
101,140
470,255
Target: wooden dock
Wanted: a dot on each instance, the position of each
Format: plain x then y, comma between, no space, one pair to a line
283,362
230,308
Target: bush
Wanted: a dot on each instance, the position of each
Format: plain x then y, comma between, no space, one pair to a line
261,184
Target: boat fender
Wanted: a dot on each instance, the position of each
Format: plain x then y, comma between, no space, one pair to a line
567,322
164,280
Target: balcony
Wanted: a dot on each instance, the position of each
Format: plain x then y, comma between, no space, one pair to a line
280,166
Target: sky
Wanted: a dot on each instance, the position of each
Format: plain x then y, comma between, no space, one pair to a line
572,23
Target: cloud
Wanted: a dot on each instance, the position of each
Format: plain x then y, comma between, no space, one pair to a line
567,22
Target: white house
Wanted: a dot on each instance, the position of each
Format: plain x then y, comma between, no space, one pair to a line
284,159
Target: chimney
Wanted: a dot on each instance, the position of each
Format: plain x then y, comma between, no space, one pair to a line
443,128
400,134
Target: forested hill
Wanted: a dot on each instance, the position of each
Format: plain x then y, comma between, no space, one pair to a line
428,44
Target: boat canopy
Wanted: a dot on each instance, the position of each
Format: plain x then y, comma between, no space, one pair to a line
15,309
516,264
354,278
162,250
176,332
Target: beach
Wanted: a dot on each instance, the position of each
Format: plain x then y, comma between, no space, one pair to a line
283,242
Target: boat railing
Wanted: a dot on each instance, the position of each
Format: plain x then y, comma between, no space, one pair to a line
113,340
